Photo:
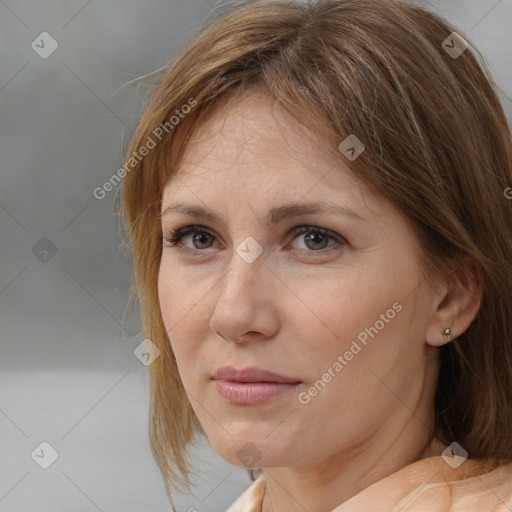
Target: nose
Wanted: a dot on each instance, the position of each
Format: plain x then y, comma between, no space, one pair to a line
246,303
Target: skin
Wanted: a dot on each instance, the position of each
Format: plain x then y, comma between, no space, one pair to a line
299,306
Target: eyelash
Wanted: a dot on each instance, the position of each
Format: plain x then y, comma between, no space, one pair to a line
175,237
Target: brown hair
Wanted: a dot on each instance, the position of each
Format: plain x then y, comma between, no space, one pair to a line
437,145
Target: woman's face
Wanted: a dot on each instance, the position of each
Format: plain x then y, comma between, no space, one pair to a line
294,268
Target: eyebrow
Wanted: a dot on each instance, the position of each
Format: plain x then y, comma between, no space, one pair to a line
274,216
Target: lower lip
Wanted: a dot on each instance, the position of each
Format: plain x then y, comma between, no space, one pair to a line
248,393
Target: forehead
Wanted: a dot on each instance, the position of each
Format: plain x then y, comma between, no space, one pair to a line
252,138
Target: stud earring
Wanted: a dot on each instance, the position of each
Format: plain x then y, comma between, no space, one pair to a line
447,335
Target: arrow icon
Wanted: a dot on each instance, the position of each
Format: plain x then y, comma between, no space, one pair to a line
249,454
249,249
454,45
44,250
146,352
351,147
44,45
44,455
454,455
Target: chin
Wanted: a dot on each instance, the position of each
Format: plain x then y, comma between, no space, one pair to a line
251,454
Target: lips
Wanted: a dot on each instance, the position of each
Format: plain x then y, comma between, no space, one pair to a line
252,386
251,374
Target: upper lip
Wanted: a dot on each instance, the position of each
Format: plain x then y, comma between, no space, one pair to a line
250,374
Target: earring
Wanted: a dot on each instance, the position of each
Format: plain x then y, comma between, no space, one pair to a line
447,335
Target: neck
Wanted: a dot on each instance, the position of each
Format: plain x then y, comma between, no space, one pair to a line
323,487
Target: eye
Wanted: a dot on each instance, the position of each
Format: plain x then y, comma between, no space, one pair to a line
201,238
317,239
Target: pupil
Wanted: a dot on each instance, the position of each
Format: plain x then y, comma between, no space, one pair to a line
200,238
311,237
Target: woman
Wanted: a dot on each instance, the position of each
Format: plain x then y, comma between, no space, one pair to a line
321,239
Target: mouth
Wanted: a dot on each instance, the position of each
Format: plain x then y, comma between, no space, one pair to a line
250,386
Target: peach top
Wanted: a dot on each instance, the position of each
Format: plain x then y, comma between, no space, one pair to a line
429,485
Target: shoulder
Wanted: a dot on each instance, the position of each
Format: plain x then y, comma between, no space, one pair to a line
477,486
251,499
489,491
436,486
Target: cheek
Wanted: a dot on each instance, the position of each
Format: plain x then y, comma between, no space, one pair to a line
344,376
183,300
178,294
381,341
176,306
367,315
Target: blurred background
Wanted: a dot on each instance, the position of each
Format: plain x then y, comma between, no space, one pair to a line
74,398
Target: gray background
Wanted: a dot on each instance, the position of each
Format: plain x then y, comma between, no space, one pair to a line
68,375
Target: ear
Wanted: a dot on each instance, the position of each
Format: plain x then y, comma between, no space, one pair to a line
457,303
